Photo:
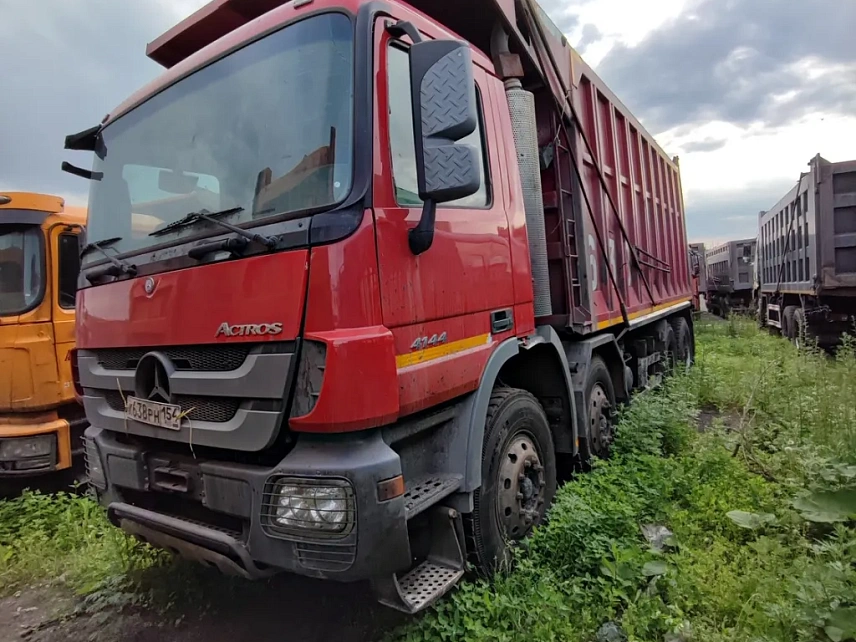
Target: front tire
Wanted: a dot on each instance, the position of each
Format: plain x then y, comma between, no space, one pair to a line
518,477
685,351
802,334
789,323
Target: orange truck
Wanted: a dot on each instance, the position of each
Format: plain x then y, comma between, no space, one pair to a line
41,421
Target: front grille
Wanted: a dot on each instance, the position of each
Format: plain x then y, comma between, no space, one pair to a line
216,358
197,408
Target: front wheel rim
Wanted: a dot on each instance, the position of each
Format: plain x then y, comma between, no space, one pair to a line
522,485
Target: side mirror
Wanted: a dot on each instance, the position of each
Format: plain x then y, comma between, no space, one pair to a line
444,111
176,182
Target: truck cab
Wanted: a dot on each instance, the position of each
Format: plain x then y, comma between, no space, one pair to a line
41,421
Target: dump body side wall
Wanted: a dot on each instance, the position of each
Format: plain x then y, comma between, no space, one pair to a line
808,239
644,186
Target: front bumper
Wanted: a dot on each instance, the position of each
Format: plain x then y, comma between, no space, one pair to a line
17,433
215,511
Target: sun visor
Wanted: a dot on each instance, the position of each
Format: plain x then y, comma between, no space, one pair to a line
84,141
211,22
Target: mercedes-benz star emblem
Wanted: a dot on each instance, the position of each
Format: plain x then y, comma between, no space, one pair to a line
152,378
150,285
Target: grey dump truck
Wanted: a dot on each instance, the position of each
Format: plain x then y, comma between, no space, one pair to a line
730,282
807,256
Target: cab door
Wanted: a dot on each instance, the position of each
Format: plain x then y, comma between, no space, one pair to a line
64,265
443,305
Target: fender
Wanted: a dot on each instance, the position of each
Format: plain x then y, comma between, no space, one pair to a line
469,435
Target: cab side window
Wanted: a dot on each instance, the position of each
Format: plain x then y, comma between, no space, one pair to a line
68,263
401,137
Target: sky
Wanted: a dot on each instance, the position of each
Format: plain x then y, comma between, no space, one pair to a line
745,92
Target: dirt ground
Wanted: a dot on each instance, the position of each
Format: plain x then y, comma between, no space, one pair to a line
284,609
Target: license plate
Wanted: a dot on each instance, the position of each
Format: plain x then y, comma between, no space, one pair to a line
162,415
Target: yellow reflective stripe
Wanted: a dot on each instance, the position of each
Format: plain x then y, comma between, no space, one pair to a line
641,313
442,350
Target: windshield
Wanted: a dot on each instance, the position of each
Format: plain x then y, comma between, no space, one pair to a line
267,128
21,268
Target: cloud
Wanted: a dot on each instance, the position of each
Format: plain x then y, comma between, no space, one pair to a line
561,15
590,35
706,145
733,60
730,214
74,62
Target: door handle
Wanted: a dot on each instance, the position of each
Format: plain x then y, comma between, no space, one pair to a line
501,320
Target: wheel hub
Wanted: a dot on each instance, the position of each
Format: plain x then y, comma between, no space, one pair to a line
600,430
520,500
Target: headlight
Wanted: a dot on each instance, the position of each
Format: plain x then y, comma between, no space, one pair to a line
303,507
26,447
94,467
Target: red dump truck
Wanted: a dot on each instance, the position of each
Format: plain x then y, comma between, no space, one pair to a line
406,262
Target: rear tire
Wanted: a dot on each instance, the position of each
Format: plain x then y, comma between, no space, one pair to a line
789,323
685,352
518,477
600,402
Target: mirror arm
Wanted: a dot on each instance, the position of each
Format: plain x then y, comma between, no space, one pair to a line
421,237
403,28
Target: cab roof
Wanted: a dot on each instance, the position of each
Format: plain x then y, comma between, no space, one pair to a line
53,205
31,201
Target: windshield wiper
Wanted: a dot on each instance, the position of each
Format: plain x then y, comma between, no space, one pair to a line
117,267
204,215
97,245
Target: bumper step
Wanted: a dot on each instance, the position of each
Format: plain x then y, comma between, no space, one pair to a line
423,585
424,492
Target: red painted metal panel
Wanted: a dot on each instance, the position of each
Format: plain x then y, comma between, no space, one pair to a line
188,306
343,283
644,185
359,388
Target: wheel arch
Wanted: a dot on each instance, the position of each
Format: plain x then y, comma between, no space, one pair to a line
580,355
509,365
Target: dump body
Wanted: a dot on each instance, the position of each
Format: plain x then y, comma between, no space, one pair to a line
309,384
41,422
808,238
616,240
807,255
730,276
730,266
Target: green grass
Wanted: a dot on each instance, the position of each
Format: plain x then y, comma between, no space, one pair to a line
785,428
780,449
66,539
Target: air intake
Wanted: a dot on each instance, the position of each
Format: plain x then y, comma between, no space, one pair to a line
521,103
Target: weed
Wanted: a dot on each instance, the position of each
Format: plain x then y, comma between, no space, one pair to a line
744,562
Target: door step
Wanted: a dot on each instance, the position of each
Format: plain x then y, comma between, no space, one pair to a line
424,492
423,585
